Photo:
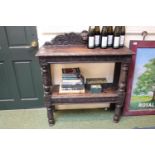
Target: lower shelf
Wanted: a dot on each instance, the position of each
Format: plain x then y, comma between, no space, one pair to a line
109,95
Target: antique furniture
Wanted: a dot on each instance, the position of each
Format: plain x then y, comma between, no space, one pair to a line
115,92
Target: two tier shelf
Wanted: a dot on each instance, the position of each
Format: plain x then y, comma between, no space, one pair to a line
114,92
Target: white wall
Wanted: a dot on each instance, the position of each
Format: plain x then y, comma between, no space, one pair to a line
46,33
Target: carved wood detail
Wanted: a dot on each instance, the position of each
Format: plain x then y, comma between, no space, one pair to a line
87,59
121,91
50,115
45,71
116,117
46,77
67,39
85,100
79,54
123,78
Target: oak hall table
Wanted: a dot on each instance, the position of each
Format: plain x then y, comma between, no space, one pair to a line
114,92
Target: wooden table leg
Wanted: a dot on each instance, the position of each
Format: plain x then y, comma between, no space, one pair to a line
121,91
50,115
117,70
46,75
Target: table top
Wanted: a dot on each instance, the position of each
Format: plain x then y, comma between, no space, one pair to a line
49,51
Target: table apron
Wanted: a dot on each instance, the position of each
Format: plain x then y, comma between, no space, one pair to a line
85,59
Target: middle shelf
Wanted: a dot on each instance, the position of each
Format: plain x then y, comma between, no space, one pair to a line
109,95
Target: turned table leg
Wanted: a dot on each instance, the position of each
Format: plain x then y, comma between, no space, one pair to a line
118,109
121,91
46,75
50,115
50,110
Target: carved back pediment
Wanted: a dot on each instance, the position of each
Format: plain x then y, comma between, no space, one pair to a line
67,39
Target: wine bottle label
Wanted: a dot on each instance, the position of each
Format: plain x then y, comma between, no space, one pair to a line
116,42
97,40
91,42
110,39
104,42
122,39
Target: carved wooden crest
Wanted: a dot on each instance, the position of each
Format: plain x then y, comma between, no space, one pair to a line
69,39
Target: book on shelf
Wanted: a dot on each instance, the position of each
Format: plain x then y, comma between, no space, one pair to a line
90,81
72,84
70,78
73,76
72,81
70,91
95,88
71,70
79,81
94,84
78,86
76,80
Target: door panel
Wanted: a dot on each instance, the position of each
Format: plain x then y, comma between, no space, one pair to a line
5,90
20,78
24,78
14,39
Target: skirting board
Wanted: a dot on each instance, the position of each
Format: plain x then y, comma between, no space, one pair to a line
82,106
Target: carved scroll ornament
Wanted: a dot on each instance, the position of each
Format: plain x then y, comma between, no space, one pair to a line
69,39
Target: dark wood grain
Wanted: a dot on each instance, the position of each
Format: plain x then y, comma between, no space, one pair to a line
87,59
109,95
81,51
46,76
116,74
121,90
67,39
81,54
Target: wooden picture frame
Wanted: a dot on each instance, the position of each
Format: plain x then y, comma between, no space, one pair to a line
141,80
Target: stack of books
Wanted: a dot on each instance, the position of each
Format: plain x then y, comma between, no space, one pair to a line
72,81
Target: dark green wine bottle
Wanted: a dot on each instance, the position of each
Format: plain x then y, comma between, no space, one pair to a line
116,40
91,38
97,36
122,36
104,37
110,36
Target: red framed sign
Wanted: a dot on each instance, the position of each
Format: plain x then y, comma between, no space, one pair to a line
140,98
